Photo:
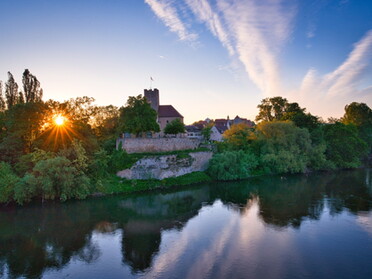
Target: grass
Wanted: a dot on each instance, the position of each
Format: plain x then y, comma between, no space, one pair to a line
116,185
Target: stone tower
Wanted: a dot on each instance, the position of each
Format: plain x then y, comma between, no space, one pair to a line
152,96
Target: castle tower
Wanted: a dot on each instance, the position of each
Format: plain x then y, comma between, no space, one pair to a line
152,97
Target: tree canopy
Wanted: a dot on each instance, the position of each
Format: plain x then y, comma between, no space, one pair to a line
31,88
358,114
174,127
278,109
138,117
239,135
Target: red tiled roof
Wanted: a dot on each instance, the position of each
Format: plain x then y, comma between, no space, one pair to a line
168,111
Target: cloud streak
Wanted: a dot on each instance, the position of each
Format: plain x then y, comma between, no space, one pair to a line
341,85
254,33
167,13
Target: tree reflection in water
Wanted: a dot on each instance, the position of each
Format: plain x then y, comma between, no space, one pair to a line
36,238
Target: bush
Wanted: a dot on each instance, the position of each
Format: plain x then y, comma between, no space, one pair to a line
54,178
8,181
284,147
232,165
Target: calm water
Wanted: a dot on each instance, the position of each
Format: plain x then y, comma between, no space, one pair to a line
316,226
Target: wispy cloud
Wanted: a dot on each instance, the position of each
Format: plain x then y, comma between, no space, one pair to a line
258,30
255,31
252,31
341,85
166,11
205,13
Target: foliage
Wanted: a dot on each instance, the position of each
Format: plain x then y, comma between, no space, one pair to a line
232,165
360,115
303,120
174,127
23,122
283,147
117,185
54,178
42,160
76,154
206,132
275,108
278,109
31,88
2,100
344,146
138,117
104,122
239,135
11,92
8,180
28,161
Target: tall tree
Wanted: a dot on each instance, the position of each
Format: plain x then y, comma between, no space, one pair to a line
358,114
2,100
276,108
279,109
138,116
11,91
345,148
31,88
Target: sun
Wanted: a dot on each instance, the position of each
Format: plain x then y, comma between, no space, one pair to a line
59,120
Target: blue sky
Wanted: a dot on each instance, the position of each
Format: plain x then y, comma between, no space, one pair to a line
208,58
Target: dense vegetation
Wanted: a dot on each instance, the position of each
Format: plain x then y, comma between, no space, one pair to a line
289,140
62,150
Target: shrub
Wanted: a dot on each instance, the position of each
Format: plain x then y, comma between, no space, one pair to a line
54,178
283,147
8,181
232,165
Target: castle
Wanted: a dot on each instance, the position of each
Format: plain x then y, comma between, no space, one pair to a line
165,113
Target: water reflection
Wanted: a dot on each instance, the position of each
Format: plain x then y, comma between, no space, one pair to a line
185,232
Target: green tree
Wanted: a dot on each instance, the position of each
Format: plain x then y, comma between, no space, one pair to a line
78,114
54,178
31,88
345,148
284,148
232,165
104,122
11,92
2,100
22,126
273,108
206,132
174,127
138,117
8,181
239,136
360,115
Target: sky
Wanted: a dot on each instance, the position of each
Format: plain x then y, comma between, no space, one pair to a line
208,58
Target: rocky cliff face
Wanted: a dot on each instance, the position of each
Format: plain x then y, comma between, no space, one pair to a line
160,167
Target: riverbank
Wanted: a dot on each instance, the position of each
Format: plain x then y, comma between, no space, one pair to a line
117,185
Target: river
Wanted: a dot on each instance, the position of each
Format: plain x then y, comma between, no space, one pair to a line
297,226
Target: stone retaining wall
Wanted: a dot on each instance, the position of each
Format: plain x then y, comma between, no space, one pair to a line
141,145
160,167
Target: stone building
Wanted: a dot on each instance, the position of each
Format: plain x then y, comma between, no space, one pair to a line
166,113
